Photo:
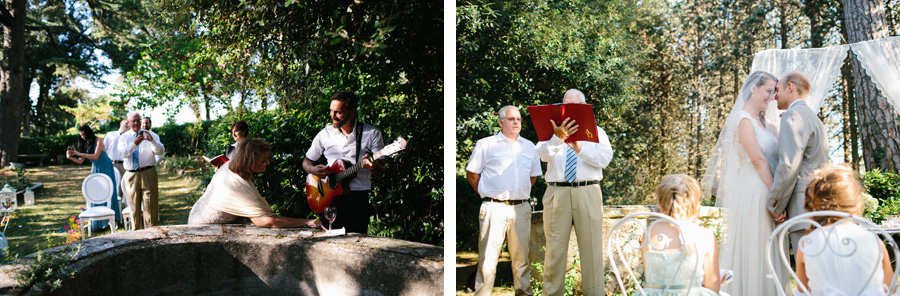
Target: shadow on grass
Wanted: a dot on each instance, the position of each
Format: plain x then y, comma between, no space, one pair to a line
38,226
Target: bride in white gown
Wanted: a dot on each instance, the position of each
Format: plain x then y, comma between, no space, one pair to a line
739,174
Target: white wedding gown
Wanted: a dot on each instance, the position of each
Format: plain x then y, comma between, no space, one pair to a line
749,224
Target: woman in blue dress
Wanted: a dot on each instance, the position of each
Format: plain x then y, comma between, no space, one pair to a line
91,147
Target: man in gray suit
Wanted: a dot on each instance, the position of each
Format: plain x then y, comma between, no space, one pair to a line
802,148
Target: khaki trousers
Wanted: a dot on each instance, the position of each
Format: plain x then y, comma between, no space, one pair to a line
499,222
583,207
143,190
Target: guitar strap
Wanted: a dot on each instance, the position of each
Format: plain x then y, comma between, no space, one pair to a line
359,127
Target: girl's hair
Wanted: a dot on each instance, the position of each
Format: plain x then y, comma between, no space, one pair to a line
247,156
89,142
678,196
834,188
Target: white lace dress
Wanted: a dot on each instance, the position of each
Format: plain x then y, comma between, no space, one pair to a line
749,224
847,265
675,270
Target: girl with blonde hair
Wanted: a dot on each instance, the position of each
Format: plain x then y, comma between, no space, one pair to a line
666,257
840,256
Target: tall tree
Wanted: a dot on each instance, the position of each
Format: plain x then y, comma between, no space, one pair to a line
113,27
878,122
12,78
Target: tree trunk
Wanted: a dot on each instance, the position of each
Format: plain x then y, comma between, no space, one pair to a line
865,20
12,81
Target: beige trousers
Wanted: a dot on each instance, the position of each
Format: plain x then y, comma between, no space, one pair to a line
499,222
143,188
583,207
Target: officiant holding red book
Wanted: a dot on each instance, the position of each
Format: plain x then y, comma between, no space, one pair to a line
576,152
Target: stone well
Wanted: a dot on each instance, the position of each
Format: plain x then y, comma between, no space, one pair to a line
247,260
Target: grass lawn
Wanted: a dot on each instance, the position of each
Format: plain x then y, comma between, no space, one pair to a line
38,226
465,266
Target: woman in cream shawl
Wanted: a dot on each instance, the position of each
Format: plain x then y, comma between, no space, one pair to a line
231,197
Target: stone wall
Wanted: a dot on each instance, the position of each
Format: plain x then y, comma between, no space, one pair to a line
247,260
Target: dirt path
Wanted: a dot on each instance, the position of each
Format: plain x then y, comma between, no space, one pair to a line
38,226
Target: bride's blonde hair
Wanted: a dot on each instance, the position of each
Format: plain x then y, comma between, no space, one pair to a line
678,196
834,188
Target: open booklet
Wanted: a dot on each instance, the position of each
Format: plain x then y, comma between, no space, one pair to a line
582,114
216,161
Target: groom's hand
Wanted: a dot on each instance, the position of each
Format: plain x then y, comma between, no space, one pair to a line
778,218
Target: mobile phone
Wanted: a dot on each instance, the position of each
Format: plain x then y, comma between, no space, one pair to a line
70,148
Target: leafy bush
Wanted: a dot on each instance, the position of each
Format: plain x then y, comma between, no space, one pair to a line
407,200
20,182
53,145
885,188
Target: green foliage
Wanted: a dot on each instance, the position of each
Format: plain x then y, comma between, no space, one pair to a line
46,271
882,185
20,182
52,145
885,188
408,200
573,283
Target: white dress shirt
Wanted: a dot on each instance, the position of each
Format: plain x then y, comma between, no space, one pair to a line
505,166
149,149
591,160
338,146
111,142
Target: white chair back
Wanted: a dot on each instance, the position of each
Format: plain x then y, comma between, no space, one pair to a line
625,240
118,182
778,243
97,188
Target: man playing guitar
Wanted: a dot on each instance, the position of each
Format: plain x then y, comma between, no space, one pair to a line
348,140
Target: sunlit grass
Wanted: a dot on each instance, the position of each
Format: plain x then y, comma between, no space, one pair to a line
38,226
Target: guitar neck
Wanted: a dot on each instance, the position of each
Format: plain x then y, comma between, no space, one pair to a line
353,169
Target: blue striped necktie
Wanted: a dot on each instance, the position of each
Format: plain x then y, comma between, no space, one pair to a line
135,154
571,161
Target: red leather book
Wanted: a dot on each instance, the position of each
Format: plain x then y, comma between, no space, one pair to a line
216,161
583,114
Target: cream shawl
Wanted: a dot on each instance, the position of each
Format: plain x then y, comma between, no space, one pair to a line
229,193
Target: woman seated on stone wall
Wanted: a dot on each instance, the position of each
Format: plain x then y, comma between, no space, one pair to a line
232,198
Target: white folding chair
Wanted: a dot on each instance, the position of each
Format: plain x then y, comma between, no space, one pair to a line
624,241
778,238
127,213
97,189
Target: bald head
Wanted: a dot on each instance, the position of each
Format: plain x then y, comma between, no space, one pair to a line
573,96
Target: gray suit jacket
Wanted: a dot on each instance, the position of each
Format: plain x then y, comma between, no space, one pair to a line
802,148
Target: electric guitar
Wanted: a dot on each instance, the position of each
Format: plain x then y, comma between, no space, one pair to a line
320,192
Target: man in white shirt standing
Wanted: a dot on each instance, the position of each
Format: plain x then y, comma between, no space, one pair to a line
574,171
139,148
349,140
502,169
111,142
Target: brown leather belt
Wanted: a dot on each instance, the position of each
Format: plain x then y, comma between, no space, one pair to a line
507,202
576,184
140,169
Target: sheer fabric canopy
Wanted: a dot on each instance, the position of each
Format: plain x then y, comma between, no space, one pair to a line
879,58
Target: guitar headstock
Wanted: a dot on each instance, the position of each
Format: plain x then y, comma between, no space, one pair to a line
396,146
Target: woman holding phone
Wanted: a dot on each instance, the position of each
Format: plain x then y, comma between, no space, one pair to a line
90,147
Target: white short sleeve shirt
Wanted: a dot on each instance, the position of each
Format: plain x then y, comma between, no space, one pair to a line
505,166
335,145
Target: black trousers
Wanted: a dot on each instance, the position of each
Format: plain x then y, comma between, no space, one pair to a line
353,212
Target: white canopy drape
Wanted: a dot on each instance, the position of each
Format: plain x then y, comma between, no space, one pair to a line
879,58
